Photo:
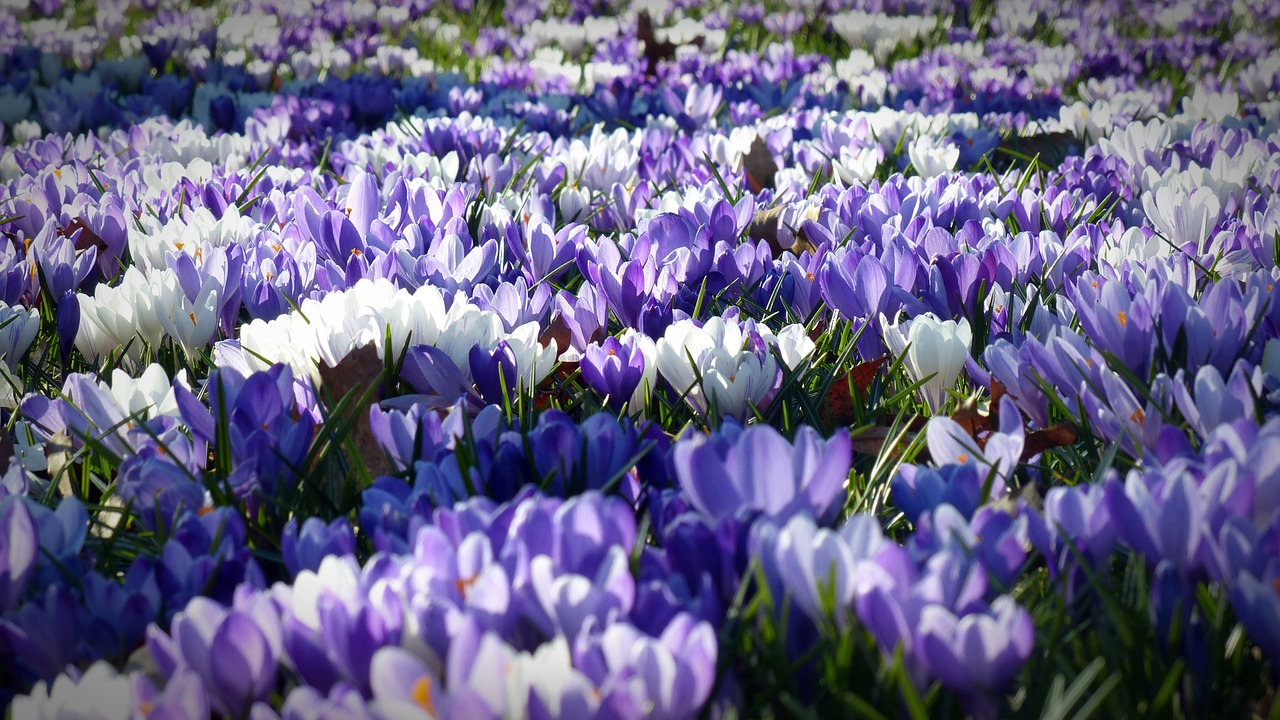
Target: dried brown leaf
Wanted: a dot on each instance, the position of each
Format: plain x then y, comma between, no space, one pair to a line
360,370
1060,435
839,401
759,166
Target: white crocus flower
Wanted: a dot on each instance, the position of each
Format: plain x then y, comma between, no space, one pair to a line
465,327
857,166
285,339
723,371
1183,217
1138,144
190,323
125,315
1133,244
1215,107
934,349
930,157
100,693
416,318
533,361
11,387
18,329
794,345
148,395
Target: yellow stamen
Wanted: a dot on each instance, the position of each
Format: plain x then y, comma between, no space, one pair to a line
1138,416
962,458
422,694
1123,318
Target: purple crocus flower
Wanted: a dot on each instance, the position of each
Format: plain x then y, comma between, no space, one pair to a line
403,686
757,469
113,615
1257,604
672,673
614,369
44,633
268,445
206,555
1161,517
806,563
1115,321
235,651
918,489
334,619
1077,516
62,268
68,324
977,653
61,532
562,603
1213,402
496,373
157,490
18,550
303,549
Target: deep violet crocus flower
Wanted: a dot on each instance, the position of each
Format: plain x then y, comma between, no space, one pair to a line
615,369
757,469
303,548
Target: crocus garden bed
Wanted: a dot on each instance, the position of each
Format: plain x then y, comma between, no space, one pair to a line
835,358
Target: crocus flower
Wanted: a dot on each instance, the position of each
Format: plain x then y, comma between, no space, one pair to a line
930,157
1184,218
331,623
1215,401
403,686
18,550
303,549
618,367
1257,604
235,651
759,470
976,653
98,692
935,352
950,444
811,563
716,365
18,328
673,673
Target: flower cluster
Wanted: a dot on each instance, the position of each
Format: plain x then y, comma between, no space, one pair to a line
455,359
